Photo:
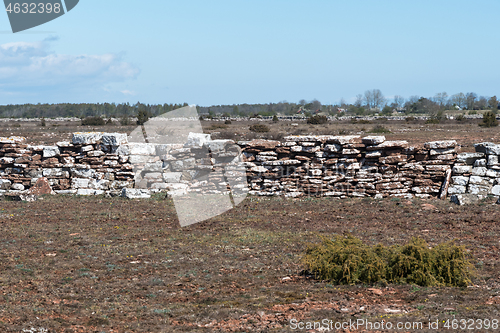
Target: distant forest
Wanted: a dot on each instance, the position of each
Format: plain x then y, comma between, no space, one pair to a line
369,103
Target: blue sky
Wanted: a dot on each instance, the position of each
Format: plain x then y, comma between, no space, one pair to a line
225,52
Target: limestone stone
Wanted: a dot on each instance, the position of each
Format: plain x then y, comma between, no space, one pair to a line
479,171
440,144
373,140
460,180
86,138
457,189
488,148
461,169
469,158
464,199
51,151
145,149
114,139
135,193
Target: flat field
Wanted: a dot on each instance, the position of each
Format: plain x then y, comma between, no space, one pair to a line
96,264
466,132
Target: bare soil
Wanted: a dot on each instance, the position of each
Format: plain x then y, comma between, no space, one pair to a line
95,264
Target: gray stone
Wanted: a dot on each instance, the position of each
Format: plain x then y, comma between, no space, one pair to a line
86,138
139,159
440,144
492,160
77,183
17,187
87,148
136,193
373,140
480,162
141,148
469,158
114,139
154,166
444,151
197,139
96,153
495,190
456,189
493,173
461,169
464,199
5,184
6,160
123,151
460,180
479,171
172,177
51,151
82,173
488,148
477,180
479,189
216,146
55,173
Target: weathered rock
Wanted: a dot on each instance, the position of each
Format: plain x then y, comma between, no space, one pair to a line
135,193
51,151
114,139
373,140
5,184
464,199
488,148
197,139
440,144
42,186
86,138
469,158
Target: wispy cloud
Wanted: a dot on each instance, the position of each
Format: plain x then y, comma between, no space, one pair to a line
32,65
128,92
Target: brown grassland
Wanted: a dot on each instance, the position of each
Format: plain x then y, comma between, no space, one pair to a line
97,264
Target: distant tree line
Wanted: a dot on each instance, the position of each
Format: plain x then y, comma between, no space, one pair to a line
84,110
369,103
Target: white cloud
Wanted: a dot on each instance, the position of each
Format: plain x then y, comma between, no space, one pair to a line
128,92
26,65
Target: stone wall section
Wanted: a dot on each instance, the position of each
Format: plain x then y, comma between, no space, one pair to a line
324,165
476,175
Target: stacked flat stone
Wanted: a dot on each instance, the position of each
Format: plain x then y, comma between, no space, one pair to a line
476,175
87,165
347,166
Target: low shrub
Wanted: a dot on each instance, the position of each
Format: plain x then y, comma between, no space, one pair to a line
317,120
409,118
218,126
460,117
347,260
275,118
489,120
125,121
259,128
42,122
93,121
380,129
432,121
227,122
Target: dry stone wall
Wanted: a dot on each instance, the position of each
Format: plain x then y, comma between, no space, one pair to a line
333,166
